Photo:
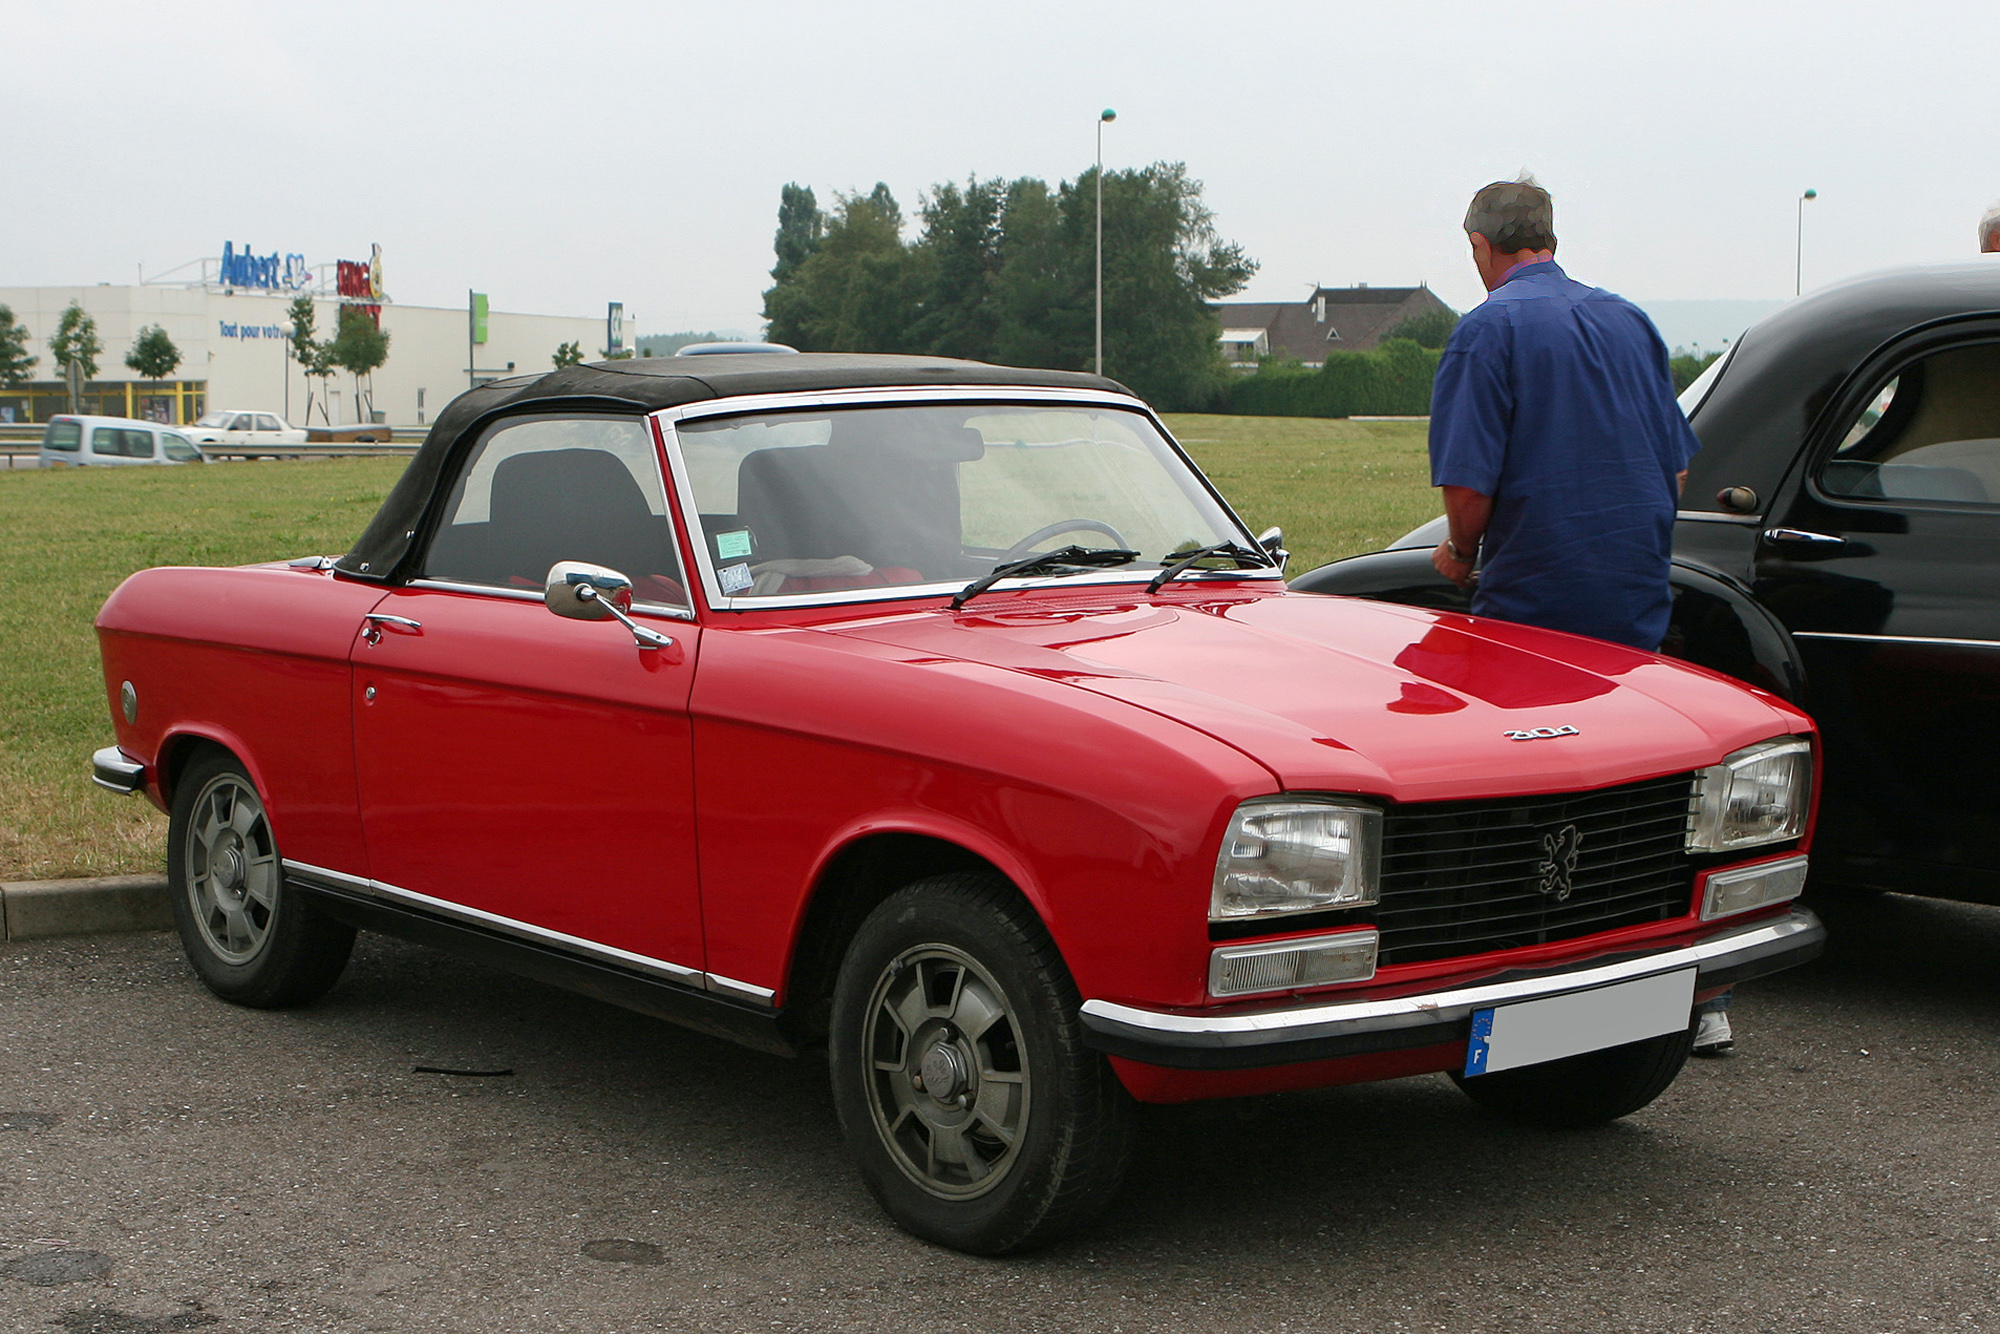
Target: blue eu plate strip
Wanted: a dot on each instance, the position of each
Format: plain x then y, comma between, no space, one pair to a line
1475,1050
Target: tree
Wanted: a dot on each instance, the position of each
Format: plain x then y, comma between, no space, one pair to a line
1002,271
75,343
15,363
858,291
1431,329
568,354
800,226
358,348
153,354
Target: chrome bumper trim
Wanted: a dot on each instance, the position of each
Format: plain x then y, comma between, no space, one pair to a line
1240,1039
109,768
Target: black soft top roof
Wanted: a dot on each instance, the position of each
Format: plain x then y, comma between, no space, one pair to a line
647,384
1788,367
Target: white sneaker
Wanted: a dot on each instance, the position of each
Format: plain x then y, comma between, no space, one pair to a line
1712,1036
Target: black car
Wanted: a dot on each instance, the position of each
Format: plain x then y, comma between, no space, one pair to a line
1840,547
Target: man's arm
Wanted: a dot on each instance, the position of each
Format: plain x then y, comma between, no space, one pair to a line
1468,512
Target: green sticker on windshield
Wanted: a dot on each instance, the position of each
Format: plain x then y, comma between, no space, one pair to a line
731,546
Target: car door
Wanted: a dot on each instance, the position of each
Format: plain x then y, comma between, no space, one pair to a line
269,432
532,772
1882,557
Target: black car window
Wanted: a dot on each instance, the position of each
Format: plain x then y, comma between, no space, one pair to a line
63,435
1931,433
540,490
138,443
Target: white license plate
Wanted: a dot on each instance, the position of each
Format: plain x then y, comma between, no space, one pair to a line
1531,1032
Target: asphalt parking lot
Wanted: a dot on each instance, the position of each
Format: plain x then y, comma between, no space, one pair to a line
210,1168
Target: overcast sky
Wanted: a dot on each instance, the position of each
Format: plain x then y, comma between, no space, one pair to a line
559,156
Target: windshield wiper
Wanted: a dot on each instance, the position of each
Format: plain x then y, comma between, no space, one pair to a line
1242,555
1045,562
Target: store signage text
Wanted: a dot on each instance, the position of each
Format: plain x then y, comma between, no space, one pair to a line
229,330
271,272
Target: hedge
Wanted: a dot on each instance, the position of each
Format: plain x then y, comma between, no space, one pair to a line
1393,380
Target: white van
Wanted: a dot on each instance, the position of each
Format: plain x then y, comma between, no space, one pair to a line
79,441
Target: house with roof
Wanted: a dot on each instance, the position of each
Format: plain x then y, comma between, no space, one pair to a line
1332,319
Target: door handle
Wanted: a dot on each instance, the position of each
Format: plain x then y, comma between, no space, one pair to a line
1825,540
376,620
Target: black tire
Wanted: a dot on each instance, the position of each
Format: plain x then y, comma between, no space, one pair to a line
1586,1090
249,938
957,951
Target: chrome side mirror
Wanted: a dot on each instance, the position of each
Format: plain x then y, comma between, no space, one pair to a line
1273,541
584,592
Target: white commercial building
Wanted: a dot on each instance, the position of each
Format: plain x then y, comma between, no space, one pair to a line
232,338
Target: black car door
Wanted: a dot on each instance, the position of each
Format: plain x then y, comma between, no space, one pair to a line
1882,556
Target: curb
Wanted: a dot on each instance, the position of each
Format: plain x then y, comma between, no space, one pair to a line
34,909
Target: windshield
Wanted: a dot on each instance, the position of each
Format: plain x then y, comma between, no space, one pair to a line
218,420
850,498
178,448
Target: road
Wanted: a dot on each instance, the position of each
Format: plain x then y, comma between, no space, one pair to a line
240,1172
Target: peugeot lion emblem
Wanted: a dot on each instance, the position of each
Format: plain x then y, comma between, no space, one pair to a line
1558,868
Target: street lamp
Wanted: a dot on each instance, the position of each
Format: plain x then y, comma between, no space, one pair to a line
1105,115
1799,245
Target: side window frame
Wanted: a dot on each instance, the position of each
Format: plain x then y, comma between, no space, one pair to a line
449,494
1891,362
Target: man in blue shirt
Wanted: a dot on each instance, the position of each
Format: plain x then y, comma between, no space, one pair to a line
1556,439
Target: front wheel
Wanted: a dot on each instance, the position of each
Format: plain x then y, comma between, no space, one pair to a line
1586,1090
250,939
977,1116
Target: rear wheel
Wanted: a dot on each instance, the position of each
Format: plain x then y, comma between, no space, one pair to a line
1585,1090
976,1114
251,940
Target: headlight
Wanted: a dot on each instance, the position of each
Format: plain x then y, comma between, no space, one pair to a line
1296,856
1758,795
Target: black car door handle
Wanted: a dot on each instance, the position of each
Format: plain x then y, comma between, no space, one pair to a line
1825,541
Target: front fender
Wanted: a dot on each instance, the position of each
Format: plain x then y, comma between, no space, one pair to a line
1717,623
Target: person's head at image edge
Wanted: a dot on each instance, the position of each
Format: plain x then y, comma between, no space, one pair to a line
1989,231
1510,223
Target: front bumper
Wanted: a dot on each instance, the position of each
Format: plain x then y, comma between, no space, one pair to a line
110,768
1246,1038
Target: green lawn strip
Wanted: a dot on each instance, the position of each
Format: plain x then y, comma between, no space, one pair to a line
68,536
1336,487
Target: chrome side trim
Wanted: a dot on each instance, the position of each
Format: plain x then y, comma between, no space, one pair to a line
1896,639
1711,516
661,968
1430,1009
660,609
729,986
109,768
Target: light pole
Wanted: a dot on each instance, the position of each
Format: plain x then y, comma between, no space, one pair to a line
1105,115
1799,245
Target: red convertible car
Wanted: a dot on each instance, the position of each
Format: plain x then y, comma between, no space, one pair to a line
943,716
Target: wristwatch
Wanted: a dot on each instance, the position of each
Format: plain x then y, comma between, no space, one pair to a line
1457,555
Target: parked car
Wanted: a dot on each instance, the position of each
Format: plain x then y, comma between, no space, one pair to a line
71,441
235,427
944,714
1840,546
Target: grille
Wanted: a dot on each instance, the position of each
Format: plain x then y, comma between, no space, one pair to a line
1464,877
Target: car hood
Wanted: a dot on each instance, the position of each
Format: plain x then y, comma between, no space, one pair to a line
1340,693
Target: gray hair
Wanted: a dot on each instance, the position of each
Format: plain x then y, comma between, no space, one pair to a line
1989,230
1513,216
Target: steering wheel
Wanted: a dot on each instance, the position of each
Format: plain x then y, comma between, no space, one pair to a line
1049,530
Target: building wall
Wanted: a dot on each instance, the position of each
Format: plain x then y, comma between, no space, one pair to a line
236,344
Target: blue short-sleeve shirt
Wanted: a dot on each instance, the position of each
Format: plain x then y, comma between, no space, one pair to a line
1554,398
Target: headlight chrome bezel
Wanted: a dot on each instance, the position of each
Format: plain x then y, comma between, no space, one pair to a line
1719,823
1271,839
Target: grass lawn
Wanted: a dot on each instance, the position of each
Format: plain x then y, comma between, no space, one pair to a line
67,537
